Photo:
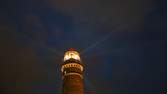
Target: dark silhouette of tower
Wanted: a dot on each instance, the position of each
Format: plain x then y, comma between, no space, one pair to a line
72,73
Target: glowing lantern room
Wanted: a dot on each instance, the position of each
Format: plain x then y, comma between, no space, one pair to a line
71,54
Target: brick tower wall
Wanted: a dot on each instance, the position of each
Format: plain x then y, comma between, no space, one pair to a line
72,77
73,84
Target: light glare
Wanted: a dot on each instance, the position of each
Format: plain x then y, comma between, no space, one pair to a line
71,54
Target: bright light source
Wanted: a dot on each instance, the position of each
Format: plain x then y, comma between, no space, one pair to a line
71,55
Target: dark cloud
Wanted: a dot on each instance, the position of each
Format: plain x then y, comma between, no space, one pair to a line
114,12
18,67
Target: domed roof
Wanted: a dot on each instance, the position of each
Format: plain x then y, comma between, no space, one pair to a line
71,49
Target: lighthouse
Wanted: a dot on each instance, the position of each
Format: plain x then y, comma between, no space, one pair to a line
72,73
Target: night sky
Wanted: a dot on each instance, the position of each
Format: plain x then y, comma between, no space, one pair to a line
122,45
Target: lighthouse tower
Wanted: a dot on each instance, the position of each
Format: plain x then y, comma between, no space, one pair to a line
72,73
